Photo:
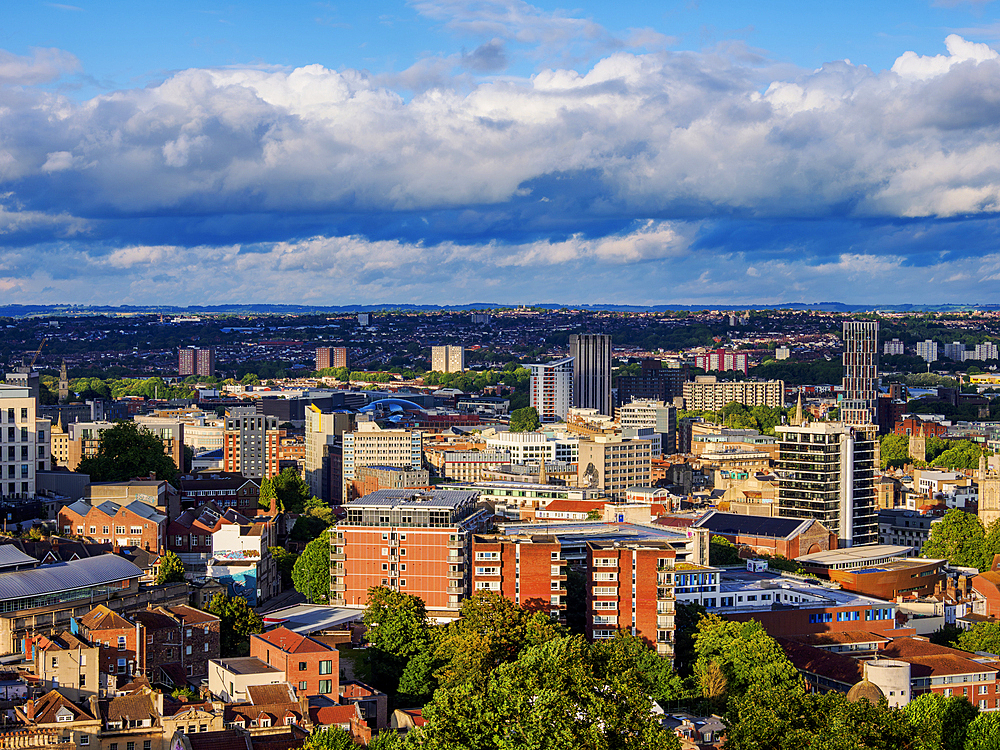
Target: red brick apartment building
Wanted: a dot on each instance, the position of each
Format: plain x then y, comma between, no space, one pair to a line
629,589
134,524
311,667
411,540
528,570
224,489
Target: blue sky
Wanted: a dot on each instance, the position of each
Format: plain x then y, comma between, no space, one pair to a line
440,151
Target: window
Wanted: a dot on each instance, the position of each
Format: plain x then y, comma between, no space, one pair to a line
114,746
121,643
303,685
188,652
84,738
129,746
326,667
83,680
206,648
325,686
55,661
121,666
147,744
203,728
64,717
302,666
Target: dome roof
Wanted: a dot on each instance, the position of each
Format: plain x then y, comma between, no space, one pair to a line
391,405
865,689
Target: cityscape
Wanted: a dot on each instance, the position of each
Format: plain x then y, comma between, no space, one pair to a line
441,375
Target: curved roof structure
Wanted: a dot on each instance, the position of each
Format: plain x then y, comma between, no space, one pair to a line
865,689
392,406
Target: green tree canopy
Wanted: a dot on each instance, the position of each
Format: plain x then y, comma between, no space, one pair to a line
329,738
983,636
285,561
127,451
721,551
524,420
894,450
239,622
958,538
311,572
396,630
171,568
292,490
983,732
940,722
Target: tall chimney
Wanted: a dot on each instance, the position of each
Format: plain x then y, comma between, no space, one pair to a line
29,710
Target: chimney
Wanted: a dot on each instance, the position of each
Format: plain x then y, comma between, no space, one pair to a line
152,476
29,710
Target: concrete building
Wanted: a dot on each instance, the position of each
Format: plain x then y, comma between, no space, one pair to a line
591,355
230,679
551,389
826,471
656,381
448,358
660,417
894,347
860,373
722,360
67,663
510,499
908,528
528,570
612,464
324,433
331,356
414,541
782,352
24,442
196,361
371,445
985,351
927,350
250,443
706,393
955,351
531,448
883,571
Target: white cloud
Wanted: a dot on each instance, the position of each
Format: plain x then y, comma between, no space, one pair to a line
912,65
41,66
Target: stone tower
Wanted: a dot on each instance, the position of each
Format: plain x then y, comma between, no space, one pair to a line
63,383
989,492
918,445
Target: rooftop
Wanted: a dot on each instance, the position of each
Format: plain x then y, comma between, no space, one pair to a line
771,527
60,577
245,665
397,498
854,556
307,619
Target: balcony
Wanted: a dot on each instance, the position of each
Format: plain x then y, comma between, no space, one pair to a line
456,588
665,594
338,556
339,587
665,622
456,557
456,574
456,544
338,601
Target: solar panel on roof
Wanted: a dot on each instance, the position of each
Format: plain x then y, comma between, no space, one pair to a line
733,523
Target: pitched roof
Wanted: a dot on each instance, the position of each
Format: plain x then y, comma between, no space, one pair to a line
51,703
770,527
102,618
275,711
262,695
229,739
154,620
334,714
53,579
929,660
291,642
190,615
134,707
842,669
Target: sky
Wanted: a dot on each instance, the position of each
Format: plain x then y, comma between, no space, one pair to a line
457,151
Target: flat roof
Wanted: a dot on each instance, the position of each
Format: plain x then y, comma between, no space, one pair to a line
246,665
596,531
306,619
401,498
854,554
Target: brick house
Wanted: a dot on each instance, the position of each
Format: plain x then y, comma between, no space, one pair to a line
224,489
311,667
116,638
133,525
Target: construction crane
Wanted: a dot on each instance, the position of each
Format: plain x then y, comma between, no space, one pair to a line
37,353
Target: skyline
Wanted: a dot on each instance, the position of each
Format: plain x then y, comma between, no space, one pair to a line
439,152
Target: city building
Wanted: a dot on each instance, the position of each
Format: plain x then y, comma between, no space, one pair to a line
927,350
591,355
24,442
894,347
984,351
722,360
324,434
414,541
903,527
310,666
551,389
882,571
655,382
371,445
368,479
531,448
659,416
196,361
955,351
225,490
448,358
826,472
860,373
612,464
136,524
331,356
706,393
364,319
782,352
510,499
528,570
67,663
250,443
770,535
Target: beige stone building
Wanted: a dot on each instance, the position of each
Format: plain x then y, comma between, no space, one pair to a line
612,464
68,664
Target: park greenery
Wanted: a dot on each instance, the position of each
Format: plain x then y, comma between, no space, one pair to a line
127,451
961,539
948,454
311,571
524,420
238,623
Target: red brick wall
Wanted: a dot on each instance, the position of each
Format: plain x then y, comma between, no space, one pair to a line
291,664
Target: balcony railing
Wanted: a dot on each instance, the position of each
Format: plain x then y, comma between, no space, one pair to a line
338,587
455,588
456,574
338,556
456,544
665,594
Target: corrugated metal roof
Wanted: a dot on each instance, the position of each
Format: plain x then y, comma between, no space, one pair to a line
10,555
53,579
413,498
80,507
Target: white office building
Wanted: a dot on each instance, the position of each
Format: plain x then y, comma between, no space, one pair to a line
24,441
552,389
530,448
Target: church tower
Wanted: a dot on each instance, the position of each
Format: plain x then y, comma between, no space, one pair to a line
63,384
918,445
989,492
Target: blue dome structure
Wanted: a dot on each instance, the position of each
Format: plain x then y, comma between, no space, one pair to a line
397,406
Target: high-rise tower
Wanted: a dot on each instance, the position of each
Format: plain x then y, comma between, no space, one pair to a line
860,372
591,353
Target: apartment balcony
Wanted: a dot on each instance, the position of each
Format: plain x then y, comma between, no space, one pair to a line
456,588
456,544
338,601
337,569
559,592
665,595
665,608
665,622
456,557
456,574
338,556
339,587
665,649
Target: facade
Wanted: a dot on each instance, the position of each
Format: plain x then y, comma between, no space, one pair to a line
331,356
927,350
860,372
551,389
826,472
24,445
591,355
371,445
772,535
706,393
531,448
135,524
415,541
230,679
372,478
512,498
67,663
985,351
250,443
309,666
653,383
222,489
722,360
661,417
468,466
448,358
612,464
528,570
893,347
904,527
196,361
324,432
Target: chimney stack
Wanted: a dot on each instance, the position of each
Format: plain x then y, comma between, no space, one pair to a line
29,710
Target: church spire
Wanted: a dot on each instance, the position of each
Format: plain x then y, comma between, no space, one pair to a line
798,420
542,476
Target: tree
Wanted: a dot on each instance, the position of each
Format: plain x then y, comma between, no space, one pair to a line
721,551
894,450
127,451
417,682
267,494
654,673
316,517
686,620
239,622
551,697
940,722
388,739
961,454
285,561
171,568
983,636
329,738
958,538
396,630
311,572
524,420
983,732
292,490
